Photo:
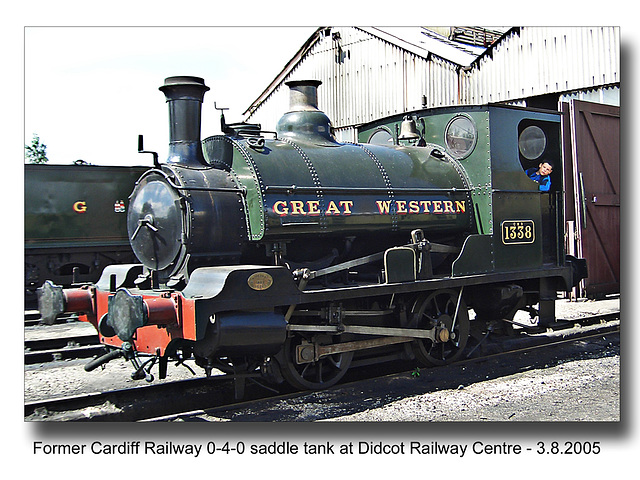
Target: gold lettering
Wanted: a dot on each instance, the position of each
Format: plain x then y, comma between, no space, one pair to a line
332,209
448,206
297,207
80,207
313,205
383,206
280,208
345,207
346,204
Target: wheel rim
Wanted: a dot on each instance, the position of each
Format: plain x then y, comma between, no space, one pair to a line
323,373
437,311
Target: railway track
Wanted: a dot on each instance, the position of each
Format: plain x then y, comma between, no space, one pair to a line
215,397
32,318
66,339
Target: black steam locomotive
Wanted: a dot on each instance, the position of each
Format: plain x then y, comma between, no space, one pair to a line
294,255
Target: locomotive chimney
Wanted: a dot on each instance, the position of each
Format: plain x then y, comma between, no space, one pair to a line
304,122
184,96
303,95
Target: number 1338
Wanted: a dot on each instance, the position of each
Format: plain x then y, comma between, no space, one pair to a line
518,231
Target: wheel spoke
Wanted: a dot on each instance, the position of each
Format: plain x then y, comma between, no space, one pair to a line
332,360
450,308
438,312
430,320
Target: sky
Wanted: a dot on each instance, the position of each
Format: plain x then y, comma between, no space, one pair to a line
89,91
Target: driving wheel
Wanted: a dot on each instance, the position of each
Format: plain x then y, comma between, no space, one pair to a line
311,374
446,313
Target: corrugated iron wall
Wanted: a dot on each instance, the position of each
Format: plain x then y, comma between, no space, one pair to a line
365,78
535,61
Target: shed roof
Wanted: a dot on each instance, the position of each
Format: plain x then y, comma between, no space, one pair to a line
424,42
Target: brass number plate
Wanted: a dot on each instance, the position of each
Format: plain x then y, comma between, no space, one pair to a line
518,231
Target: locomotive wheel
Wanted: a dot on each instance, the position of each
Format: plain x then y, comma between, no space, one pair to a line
323,373
437,311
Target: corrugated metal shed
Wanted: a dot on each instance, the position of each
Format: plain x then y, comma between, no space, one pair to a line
533,61
368,73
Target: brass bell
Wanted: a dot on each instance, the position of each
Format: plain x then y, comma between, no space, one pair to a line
408,129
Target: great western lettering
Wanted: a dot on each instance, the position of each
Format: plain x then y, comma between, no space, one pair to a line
381,207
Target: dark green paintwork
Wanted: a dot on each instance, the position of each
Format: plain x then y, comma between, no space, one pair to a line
476,165
50,192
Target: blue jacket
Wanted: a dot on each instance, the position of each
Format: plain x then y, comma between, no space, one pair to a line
543,180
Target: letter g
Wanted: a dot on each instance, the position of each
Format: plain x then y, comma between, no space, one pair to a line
80,207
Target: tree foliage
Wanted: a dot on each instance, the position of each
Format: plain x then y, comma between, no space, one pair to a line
36,152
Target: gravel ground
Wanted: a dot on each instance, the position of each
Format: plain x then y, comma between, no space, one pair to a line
64,379
582,390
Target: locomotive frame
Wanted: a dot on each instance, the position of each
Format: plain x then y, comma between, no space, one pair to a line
263,255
